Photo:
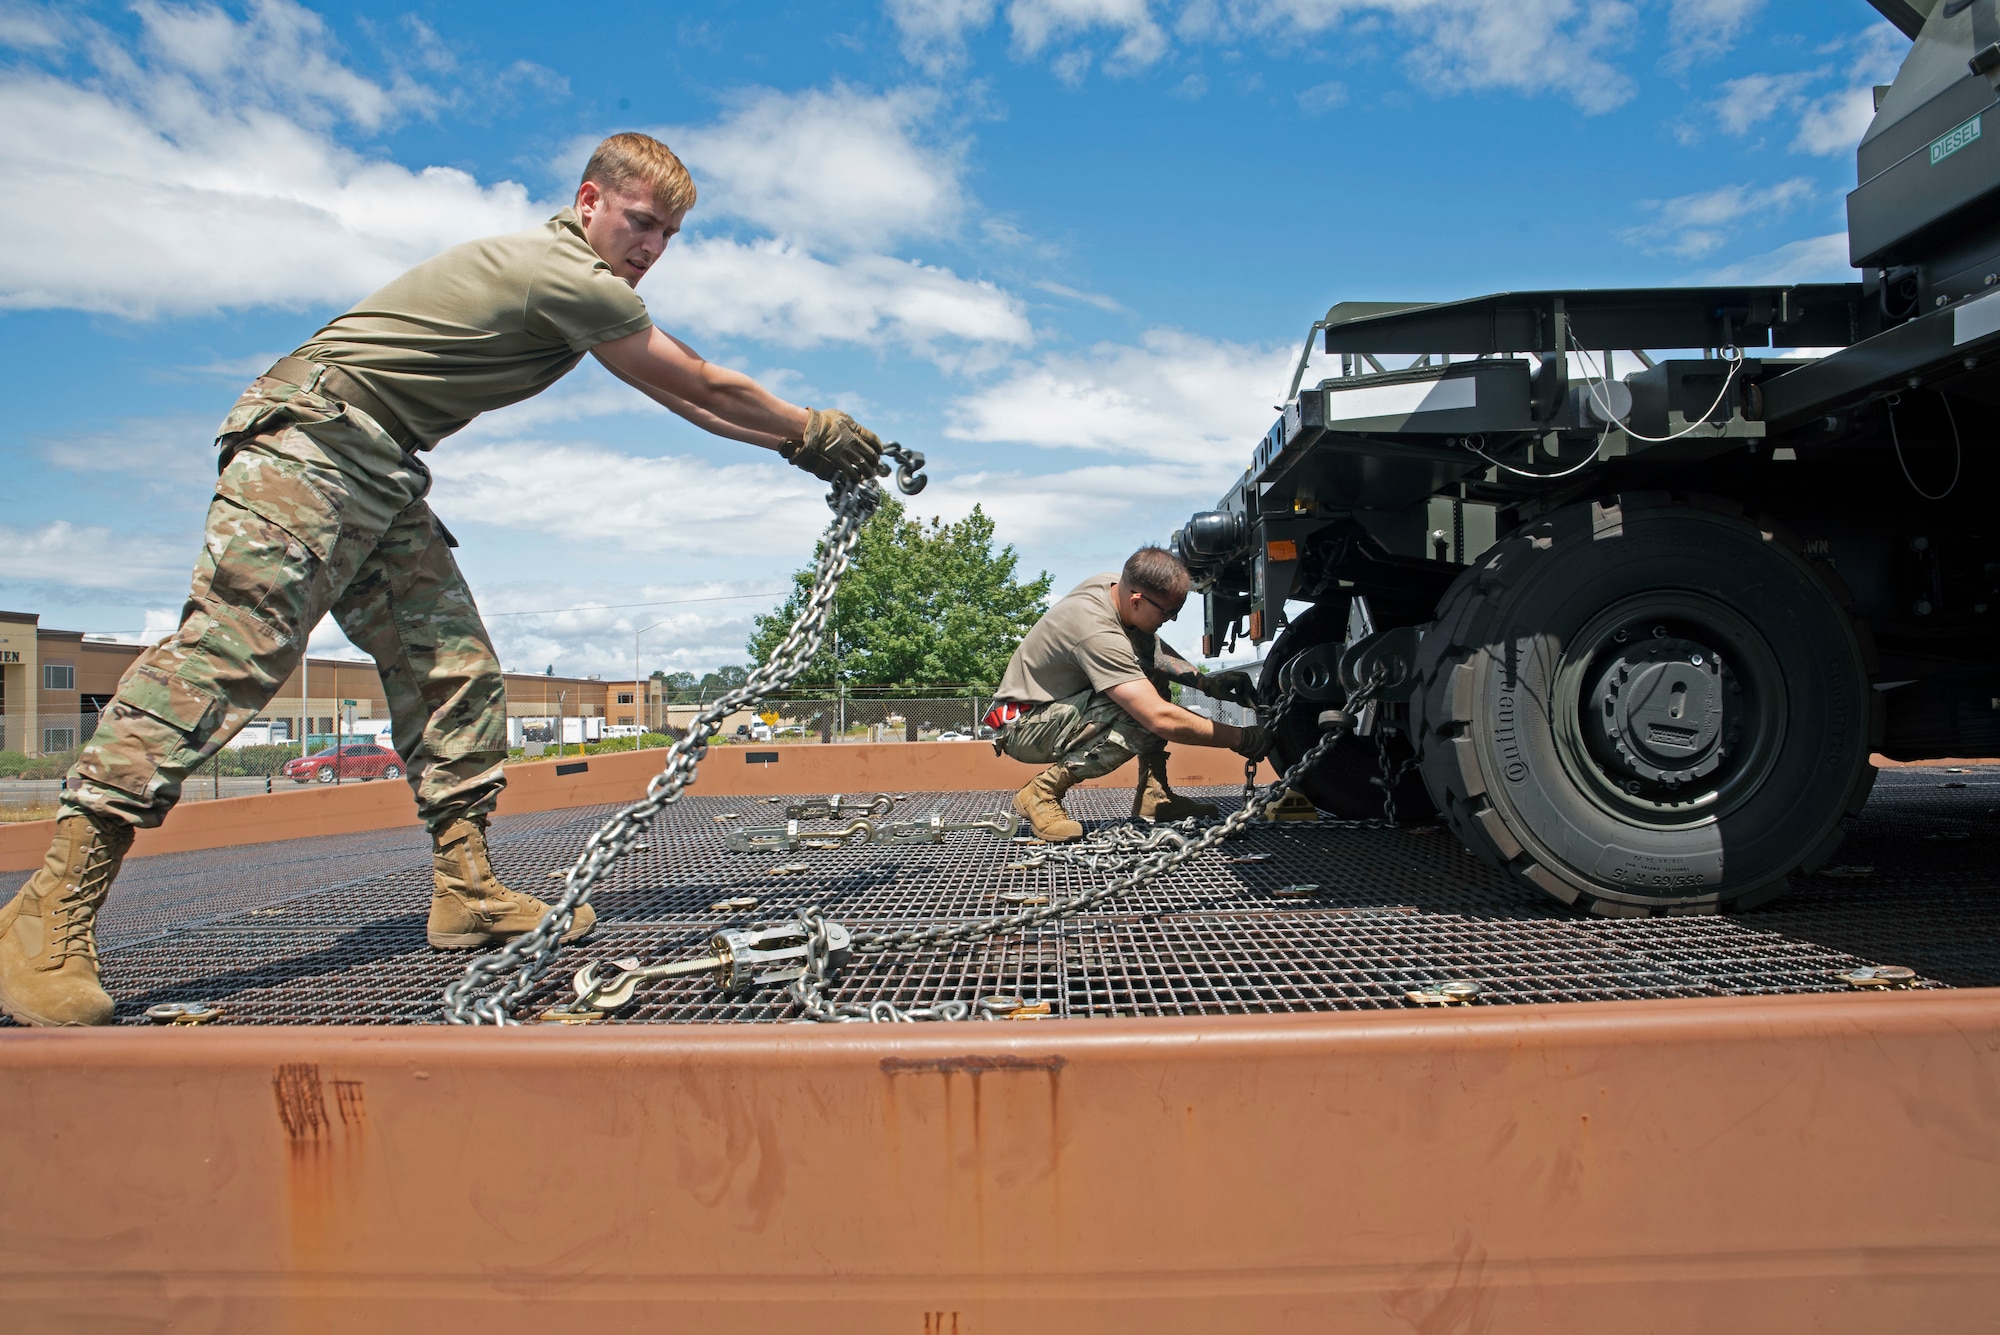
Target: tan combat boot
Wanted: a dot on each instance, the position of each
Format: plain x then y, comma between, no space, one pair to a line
48,937
470,908
1041,803
1156,801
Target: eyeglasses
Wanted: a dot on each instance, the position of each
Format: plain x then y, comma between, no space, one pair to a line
1168,612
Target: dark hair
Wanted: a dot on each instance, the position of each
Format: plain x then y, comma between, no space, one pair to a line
1157,571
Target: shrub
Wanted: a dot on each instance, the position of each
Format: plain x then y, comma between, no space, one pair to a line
53,766
11,764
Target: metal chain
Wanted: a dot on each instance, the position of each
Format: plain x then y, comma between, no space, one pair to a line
1146,861
528,956
1391,774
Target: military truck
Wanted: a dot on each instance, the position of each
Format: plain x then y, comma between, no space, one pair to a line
1643,577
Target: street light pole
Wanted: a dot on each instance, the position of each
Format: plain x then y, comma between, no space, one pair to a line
637,684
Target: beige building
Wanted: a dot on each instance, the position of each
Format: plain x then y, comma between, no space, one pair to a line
55,683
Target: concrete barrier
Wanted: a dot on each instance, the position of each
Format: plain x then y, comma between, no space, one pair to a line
550,785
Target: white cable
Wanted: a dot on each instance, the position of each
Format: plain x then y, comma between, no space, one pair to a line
1600,395
1957,447
1735,365
1525,472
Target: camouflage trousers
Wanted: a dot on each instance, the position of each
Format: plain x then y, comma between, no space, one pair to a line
316,509
1087,733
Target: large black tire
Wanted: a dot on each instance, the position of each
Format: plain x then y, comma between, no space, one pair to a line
1343,784
1647,704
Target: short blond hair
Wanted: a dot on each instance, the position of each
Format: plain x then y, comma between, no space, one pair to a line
626,160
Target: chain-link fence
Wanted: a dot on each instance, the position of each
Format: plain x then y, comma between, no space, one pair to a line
870,719
904,718
45,734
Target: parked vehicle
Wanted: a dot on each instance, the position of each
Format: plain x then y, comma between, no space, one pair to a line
358,760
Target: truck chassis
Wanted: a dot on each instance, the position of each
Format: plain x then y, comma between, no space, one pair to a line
1644,631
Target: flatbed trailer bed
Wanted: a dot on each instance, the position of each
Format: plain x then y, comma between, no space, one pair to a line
1237,1120
330,931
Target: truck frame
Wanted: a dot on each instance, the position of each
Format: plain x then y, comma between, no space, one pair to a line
1636,636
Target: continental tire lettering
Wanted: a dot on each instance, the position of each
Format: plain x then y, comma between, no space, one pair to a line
1512,766
1639,876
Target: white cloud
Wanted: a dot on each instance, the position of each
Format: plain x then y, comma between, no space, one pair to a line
1322,98
1692,226
1755,98
1825,122
173,454
776,293
23,28
1533,46
836,168
204,169
1832,125
199,172
1821,259
1118,506
1174,398
1038,24
691,626
639,504
1703,29
1097,299
89,556
933,31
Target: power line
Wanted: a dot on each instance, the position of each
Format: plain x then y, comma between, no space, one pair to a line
612,607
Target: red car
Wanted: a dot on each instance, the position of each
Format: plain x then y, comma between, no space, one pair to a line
358,760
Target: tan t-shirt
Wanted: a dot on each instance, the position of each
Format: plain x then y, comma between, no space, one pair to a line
481,326
1081,645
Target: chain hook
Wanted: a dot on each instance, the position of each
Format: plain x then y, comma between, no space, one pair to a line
910,478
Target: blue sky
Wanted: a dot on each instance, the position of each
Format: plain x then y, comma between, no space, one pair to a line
1065,247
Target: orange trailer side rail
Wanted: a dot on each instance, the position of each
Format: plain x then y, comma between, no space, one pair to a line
1808,1162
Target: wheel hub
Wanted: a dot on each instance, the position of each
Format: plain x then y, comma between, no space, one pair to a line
1658,711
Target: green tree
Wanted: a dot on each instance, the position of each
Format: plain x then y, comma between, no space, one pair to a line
922,605
721,681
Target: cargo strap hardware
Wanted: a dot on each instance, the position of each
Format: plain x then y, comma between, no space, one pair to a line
1874,976
183,1012
833,808
930,830
739,960
492,986
1461,993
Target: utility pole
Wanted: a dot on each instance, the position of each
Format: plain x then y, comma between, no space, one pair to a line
305,701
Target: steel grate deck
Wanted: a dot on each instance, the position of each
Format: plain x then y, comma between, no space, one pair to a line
330,931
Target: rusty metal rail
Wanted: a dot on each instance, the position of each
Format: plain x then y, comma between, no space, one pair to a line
295,935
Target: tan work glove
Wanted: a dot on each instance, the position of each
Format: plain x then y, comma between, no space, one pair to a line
836,447
1254,742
